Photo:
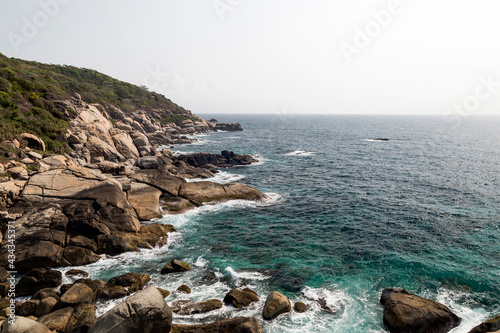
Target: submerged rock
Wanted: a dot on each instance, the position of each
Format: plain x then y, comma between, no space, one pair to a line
406,312
201,307
123,285
241,298
301,307
184,289
175,266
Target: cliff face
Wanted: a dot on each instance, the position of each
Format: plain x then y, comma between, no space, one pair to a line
54,102
108,175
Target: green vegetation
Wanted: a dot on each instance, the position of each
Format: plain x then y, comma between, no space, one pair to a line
175,118
29,92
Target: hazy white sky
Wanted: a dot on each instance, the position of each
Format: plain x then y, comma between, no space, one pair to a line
265,56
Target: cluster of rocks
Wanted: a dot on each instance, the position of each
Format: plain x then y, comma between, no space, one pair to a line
71,308
71,209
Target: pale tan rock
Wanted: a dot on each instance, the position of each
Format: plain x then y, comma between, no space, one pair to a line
100,149
125,145
18,172
57,320
146,200
75,182
24,325
34,142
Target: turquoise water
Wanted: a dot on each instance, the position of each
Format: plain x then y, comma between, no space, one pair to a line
347,217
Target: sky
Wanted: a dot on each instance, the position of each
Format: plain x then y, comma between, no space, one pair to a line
276,56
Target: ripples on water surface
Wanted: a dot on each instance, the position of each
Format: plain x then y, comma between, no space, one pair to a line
348,216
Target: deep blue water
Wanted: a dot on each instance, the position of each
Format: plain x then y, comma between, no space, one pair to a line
348,217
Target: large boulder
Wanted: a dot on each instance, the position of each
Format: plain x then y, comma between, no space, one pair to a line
158,179
145,312
205,191
242,191
18,172
176,205
492,325
233,325
241,298
225,159
125,145
123,285
79,183
45,306
40,237
33,141
150,162
150,236
276,304
114,244
24,325
10,191
36,279
131,281
57,320
4,275
82,319
95,285
145,200
74,183
102,151
406,312
79,256
78,293
141,142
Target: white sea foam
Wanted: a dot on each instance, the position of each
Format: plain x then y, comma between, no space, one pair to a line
221,177
332,298
201,262
104,306
316,319
462,305
300,153
180,220
198,142
178,152
260,160
245,275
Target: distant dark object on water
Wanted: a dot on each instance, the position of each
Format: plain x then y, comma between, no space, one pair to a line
381,139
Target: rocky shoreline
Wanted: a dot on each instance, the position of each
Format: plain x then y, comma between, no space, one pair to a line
73,209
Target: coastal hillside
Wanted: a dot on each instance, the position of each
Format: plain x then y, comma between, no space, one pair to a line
31,95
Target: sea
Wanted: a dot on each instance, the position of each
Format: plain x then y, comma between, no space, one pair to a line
346,217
